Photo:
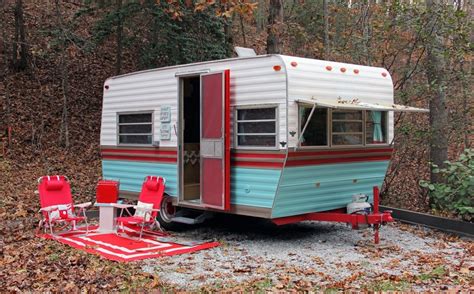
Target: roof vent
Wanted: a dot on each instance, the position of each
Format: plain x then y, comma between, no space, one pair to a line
245,52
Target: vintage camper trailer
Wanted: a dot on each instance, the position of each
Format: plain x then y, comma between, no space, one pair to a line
269,136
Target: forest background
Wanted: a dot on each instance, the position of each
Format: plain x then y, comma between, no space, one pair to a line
55,55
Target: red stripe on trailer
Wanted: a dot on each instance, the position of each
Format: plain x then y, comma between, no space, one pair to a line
140,158
336,160
138,151
258,155
257,164
340,152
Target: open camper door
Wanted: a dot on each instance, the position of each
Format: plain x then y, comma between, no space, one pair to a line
215,140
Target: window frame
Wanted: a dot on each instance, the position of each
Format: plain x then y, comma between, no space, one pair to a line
236,126
386,129
328,136
330,132
118,124
362,133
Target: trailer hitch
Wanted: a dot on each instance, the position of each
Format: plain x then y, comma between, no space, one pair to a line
375,219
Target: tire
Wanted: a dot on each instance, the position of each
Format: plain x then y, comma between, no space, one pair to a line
168,211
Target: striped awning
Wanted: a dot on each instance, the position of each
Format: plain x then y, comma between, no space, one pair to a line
357,104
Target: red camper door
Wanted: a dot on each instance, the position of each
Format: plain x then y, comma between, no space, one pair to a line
215,140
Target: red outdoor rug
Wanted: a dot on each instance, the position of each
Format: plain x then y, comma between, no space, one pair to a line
126,246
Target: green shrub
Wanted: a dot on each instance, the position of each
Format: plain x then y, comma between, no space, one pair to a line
456,195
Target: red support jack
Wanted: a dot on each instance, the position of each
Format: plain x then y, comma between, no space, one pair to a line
376,211
376,218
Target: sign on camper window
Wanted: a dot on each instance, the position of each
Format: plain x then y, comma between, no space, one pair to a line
135,128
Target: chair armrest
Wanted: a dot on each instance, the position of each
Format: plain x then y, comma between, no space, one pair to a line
49,208
123,206
145,209
83,205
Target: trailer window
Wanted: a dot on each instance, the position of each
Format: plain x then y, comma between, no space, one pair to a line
316,133
135,128
376,127
256,127
347,127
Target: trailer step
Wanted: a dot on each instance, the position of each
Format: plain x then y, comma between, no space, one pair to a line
190,220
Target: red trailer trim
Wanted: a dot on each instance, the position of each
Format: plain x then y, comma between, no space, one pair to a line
227,139
341,217
339,152
141,151
336,160
140,158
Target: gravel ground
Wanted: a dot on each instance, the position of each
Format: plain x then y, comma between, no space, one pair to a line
315,253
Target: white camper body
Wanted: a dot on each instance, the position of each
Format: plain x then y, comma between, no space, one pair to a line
269,136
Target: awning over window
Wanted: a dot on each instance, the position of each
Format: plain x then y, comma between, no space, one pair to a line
356,104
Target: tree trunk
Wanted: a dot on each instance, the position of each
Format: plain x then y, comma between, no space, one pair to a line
327,48
4,87
63,65
118,61
242,29
260,16
275,18
366,31
436,78
229,37
19,59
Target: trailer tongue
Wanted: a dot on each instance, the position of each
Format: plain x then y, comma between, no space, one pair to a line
356,220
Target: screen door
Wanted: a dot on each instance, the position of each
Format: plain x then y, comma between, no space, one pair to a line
215,140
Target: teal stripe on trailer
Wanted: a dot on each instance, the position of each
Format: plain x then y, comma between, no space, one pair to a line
325,187
132,173
253,187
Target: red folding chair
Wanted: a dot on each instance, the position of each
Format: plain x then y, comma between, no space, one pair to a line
57,205
147,208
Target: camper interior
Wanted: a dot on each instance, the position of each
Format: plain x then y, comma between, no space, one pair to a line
191,94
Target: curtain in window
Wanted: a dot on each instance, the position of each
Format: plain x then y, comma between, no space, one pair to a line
377,132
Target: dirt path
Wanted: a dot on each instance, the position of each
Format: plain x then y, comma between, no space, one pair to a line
316,256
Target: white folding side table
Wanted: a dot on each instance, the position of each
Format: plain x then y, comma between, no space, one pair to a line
107,214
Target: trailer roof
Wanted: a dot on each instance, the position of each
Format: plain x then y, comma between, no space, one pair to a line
286,59
193,64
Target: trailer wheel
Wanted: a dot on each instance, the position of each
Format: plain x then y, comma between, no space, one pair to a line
167,212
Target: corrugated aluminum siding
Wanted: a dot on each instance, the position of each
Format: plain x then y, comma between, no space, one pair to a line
325,187
311,78
250,186
253,81
132,173
254,187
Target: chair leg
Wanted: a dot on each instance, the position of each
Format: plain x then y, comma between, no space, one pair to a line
87,226
157,224
85,219
50,228
141,231
39,226
118,226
